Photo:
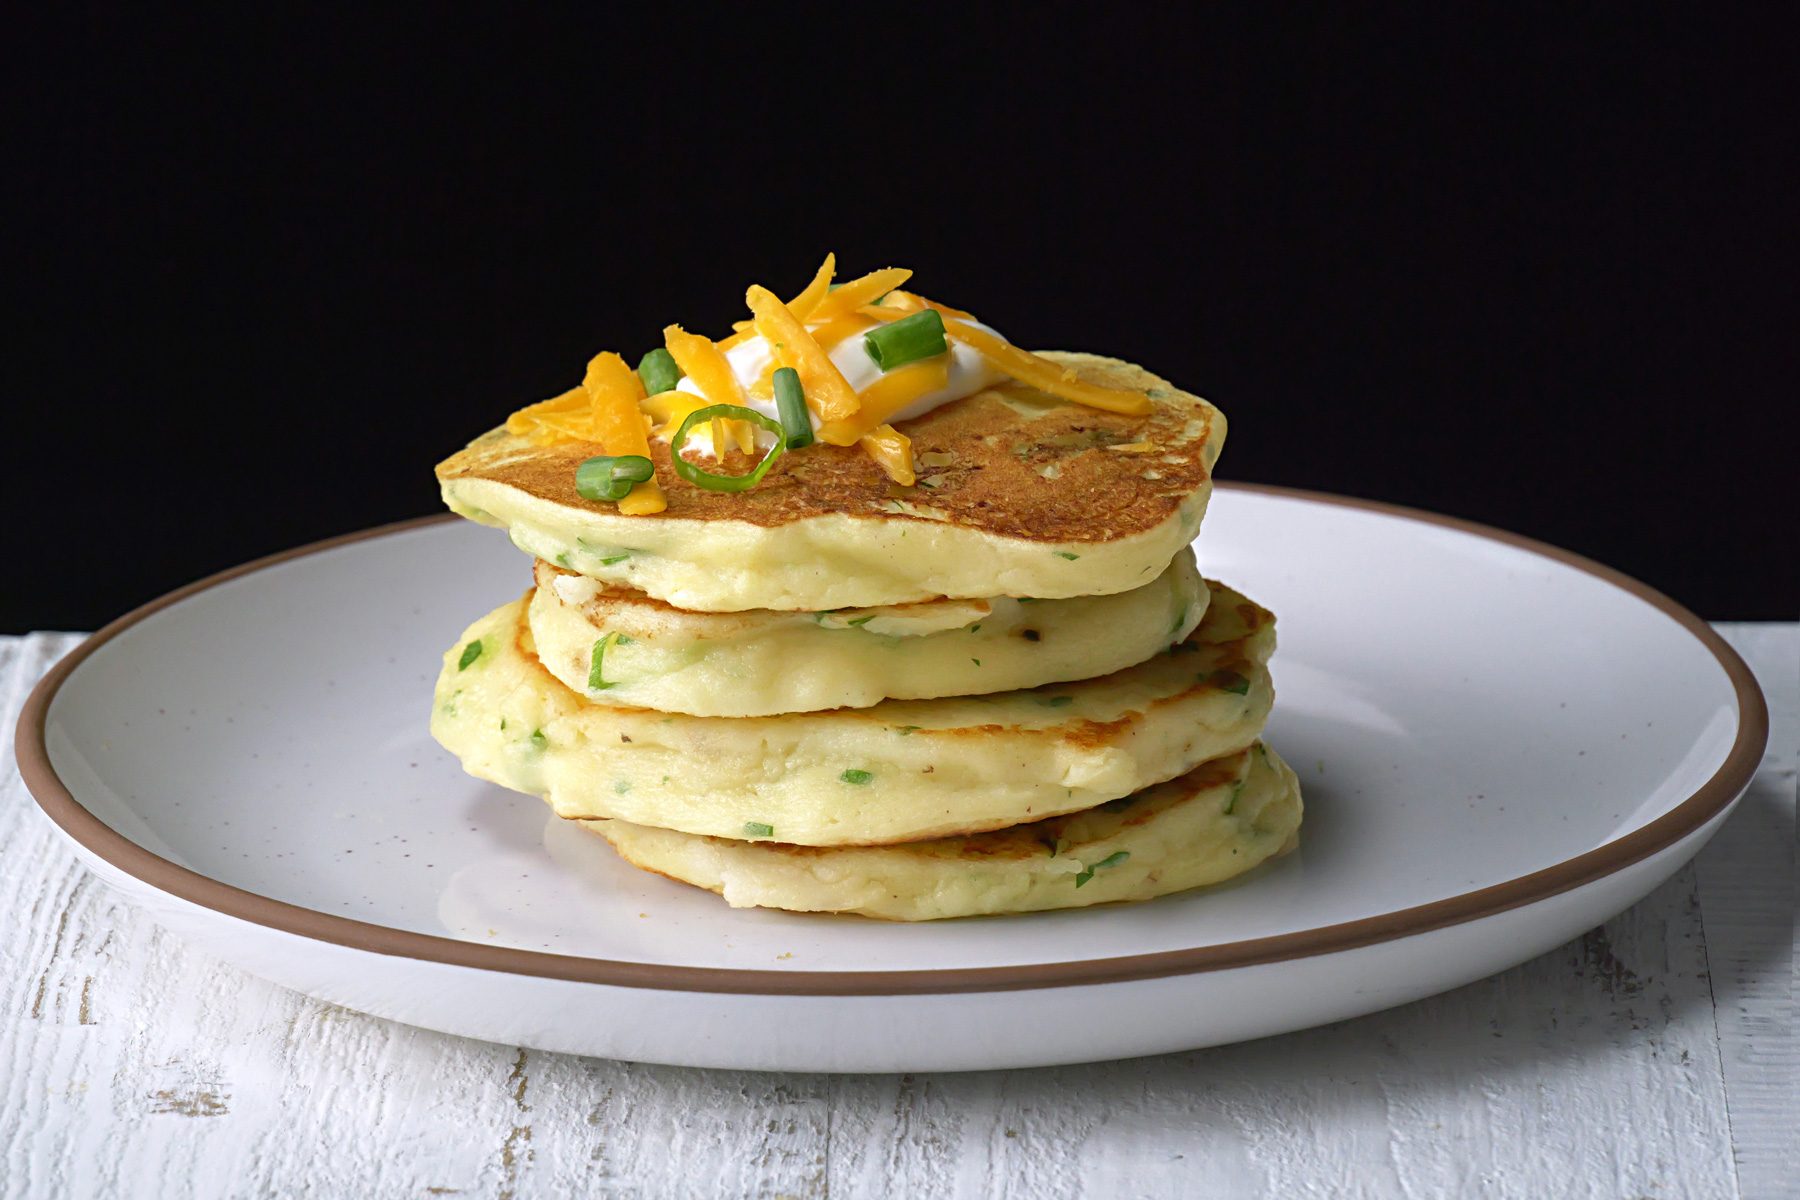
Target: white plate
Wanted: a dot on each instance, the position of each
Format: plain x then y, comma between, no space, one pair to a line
1501,745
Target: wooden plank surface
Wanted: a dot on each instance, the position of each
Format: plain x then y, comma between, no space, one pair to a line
1747,892
1618,1065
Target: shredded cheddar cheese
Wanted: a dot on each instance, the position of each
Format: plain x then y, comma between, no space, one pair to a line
669,409
1044,375
827,392
835,331
527,419
886,396
907,303
611,410
802,306
892,451
705,364
614,391
853,295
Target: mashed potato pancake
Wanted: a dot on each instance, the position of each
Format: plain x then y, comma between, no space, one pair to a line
1018,494
622,647
1217,821
898,771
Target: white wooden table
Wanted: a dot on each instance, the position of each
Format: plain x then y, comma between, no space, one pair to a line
1655,1056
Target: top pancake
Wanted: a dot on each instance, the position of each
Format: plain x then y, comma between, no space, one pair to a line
1019,495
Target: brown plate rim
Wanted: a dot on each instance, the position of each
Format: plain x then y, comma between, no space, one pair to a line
1711,798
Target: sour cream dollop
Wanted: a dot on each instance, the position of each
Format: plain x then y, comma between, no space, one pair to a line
969,373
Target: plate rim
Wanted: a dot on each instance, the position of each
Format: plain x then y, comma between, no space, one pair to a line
147,867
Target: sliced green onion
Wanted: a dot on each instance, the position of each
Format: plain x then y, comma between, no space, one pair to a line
658,371
596,680
1111,860
538,740
725,483
758,829
853,775
470,653
907,340
609,477
1237,789
1229,681
790,402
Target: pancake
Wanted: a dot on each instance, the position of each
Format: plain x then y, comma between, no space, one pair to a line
1019,495
765,663
898,771
1217,821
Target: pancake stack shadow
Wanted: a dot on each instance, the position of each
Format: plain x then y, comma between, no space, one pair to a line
866,744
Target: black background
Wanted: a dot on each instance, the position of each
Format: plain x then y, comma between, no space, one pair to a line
1530,267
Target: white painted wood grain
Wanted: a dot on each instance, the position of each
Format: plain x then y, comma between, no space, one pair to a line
1747,896
131,1066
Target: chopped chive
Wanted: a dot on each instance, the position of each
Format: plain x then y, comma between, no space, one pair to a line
470,653
1111,860
1066,554
538,740
1180,620
858,777
709,480
610,559
611,477
857,622
758,829
1237,789
658,371
790,404
907,340
976,661
1055,701
621,786
563,559
596,680
975,628
906,730
1229,681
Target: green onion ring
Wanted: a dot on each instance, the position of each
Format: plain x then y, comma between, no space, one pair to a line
725,483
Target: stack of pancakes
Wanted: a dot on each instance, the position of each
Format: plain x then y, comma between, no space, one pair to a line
1005,689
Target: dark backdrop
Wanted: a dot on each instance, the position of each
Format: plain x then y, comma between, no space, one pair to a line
1529,268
